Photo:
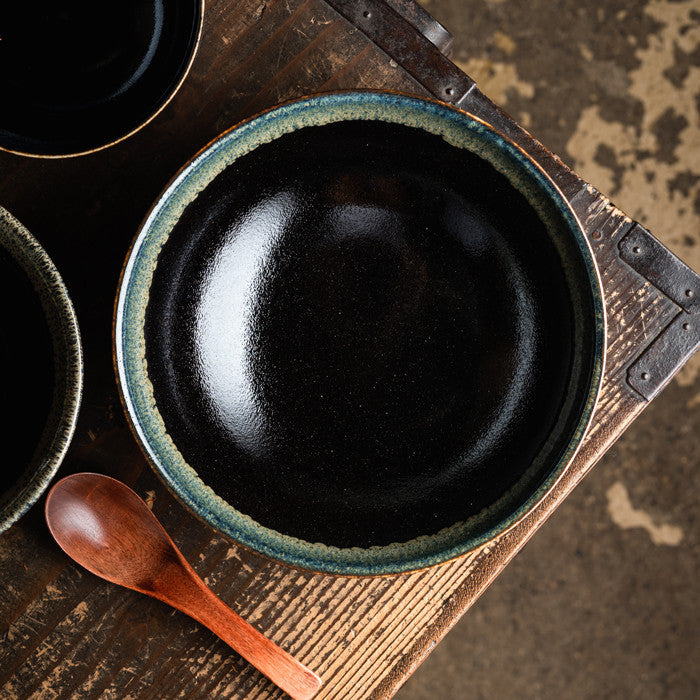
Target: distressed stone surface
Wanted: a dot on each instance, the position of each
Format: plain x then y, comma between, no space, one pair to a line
591,608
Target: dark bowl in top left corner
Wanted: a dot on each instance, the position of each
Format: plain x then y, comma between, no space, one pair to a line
76,77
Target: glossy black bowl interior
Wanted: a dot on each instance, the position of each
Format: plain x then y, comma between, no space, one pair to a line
80,74
28,369
358,334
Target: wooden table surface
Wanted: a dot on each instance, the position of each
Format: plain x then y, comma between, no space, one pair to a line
66,633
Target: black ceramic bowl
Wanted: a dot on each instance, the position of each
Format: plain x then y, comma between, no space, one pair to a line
41,365
360,333
80,75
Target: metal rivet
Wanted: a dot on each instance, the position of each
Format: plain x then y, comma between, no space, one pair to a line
689,293
645,376
636,250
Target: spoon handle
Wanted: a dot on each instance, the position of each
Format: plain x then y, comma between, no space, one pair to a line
200,603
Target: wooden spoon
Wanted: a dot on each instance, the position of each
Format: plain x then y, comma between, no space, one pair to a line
108,529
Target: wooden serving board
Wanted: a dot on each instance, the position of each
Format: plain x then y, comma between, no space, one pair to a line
66,633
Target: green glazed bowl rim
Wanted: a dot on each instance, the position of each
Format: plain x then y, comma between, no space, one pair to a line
458,128
29,255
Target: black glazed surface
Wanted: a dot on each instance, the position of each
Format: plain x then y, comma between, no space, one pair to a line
26,356
80,74
358,334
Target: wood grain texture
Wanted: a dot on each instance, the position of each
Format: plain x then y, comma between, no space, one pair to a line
66,633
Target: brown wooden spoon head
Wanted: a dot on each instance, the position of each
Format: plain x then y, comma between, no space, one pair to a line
104,526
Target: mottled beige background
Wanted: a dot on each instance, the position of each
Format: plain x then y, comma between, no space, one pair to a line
603,602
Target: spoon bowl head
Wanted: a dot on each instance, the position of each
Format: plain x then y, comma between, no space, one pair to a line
105,527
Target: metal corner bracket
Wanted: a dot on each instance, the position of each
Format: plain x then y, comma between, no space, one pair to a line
657,364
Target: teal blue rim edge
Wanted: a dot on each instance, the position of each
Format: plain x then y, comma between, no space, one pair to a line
137,397
63,324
